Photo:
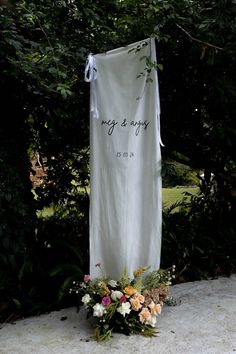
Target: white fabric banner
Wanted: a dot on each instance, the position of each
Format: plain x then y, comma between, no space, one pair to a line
125,162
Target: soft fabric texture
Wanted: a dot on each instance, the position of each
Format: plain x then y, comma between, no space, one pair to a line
125,162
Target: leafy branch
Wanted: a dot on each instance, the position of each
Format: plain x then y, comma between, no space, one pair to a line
207,44
46,36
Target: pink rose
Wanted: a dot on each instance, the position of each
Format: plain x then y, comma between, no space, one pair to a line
106,300
87,278
123,299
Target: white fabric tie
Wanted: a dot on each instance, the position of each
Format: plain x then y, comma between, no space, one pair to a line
90,75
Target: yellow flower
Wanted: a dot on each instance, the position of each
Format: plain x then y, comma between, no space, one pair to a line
144,315
139,272
105,289
155,308
129,290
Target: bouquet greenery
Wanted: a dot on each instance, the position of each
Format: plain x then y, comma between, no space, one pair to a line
124,305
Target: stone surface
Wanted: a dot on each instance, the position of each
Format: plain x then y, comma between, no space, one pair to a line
204,322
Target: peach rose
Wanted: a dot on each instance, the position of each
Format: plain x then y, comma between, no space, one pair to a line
140,297
130,290
155,308
135,304
144,315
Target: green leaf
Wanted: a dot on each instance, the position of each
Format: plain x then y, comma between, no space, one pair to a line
65,268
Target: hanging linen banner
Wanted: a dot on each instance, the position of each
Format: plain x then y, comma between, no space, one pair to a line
125,160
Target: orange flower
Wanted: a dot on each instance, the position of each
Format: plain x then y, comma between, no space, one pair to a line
144,315
129,290
155,308
135,303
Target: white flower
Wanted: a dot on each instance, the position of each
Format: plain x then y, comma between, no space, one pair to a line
116,295
124,308
112,283
86,299
98,310
152,321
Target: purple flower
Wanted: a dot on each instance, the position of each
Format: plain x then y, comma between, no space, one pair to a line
106,300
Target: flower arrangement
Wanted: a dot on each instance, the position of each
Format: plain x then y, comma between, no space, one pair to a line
124,305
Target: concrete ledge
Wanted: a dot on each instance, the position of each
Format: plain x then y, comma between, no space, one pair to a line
204,322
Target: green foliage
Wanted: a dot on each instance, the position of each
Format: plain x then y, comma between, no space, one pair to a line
44,106
198,91
64,239
156,279
17,207
175,195
200,238
178,174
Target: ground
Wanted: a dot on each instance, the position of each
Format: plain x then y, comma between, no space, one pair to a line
204,322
